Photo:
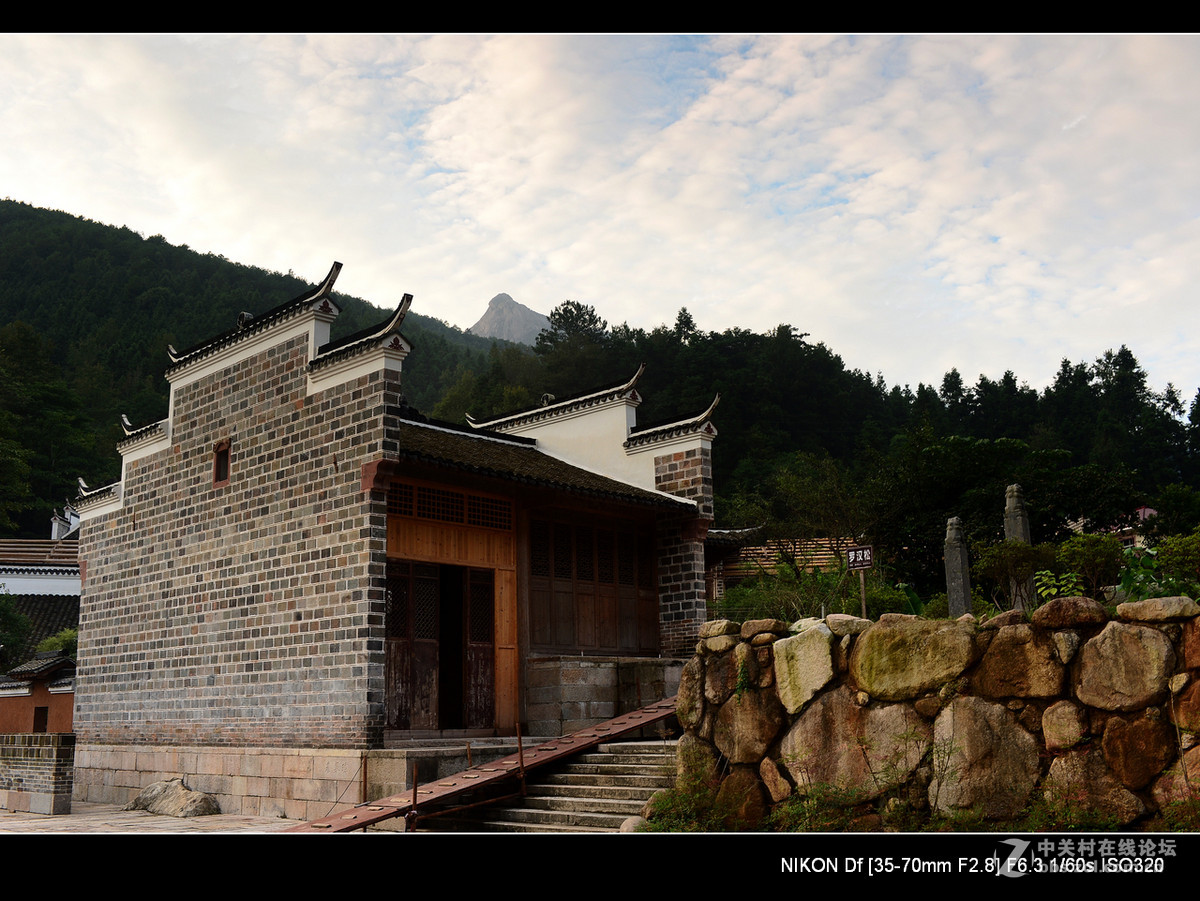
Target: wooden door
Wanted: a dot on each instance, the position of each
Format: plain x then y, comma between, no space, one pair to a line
440,663
479,638
412,659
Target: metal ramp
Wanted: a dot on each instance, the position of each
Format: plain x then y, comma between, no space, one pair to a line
513,766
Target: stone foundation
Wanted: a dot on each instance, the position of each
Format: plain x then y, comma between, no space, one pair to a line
564,694
292,783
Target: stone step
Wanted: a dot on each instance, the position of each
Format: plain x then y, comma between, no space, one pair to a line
600,772
594,792
626,807
530,818
585,780
638,793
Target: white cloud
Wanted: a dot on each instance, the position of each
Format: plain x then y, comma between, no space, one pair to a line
918,203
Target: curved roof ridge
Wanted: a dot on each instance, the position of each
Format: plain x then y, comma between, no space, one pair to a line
248,324
675,429
369,335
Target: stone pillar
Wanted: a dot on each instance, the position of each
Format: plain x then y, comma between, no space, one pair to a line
1016,528
1016,520
958,574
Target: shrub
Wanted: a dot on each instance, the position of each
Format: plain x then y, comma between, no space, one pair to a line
690,805
1179,562
1008,569
822,808
1095,558
791,593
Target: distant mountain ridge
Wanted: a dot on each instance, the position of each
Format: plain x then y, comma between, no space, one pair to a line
510,321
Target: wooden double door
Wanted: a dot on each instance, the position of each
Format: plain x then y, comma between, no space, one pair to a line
440,656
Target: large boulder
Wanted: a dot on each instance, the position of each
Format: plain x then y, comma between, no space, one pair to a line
983,761
1185,708
803,665
742,799
1064,725
905,658
1080,785
1190,644
1137,751
1125,667
865,749
172,798
746,724
1020,663
1159,610
689,704
1180,782
1069,612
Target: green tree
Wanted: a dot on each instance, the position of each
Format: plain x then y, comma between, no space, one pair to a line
571,324
1095,558
66,642
14,632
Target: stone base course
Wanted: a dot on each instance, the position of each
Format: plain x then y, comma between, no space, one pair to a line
292,783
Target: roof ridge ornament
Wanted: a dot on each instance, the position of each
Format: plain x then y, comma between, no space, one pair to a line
324,289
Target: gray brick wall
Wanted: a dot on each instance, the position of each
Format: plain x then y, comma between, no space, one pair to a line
250,613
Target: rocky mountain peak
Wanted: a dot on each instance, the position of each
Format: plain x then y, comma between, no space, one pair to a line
511,321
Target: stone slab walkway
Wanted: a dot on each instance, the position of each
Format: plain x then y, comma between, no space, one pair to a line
86,818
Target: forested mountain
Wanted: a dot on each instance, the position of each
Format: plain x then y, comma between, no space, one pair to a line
86,313
806,447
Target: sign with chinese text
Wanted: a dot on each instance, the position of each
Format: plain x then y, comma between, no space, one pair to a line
860,558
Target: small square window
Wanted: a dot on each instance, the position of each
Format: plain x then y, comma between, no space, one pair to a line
221,464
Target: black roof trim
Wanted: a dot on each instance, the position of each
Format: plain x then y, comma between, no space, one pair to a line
651,434
500,457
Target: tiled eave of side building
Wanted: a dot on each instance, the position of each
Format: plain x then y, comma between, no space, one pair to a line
697,425
564,408
40,568
40,554
510,459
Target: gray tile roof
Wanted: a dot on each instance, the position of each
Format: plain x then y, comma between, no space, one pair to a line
511,459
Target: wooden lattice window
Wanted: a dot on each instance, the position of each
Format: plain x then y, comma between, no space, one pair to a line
447,505
592,587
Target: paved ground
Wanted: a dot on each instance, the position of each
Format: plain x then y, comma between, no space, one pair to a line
108,818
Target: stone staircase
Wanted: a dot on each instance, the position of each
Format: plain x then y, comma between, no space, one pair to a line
594,791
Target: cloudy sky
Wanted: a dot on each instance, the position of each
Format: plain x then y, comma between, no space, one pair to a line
917,203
